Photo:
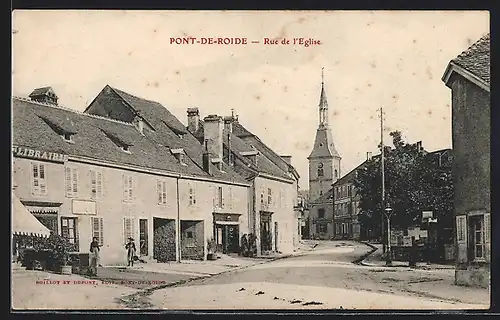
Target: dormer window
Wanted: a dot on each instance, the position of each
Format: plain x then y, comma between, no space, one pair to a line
124,146
68,137
181,135
179,155
62,127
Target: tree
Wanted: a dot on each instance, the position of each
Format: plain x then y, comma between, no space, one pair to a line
412,185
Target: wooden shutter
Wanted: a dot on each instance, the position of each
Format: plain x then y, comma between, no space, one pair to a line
461,235
487,237
41,174
125,188
69,187
130,187
75,181
97,229
128,228
221,197
158,191
93,183
100,192
164,192
231,198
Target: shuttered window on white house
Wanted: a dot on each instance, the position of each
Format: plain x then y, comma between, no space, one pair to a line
71,182
161,191
192,195
39,185
98,229
96,184
128,228
231,197
127,188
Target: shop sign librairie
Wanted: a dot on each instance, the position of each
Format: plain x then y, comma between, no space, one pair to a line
38,154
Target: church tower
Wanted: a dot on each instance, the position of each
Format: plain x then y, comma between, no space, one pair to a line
324,160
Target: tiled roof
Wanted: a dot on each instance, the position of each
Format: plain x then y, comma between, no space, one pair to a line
166,132
476,59
90,141
276,160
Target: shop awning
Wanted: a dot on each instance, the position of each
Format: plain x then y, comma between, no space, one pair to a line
24,222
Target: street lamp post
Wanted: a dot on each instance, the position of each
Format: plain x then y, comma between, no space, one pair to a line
388,213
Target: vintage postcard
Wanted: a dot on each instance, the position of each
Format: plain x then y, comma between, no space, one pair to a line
251,160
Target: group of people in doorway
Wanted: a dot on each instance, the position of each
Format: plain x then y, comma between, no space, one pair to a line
95,249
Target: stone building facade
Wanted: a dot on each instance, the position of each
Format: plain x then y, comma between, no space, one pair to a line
468,77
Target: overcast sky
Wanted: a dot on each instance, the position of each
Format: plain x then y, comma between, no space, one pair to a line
371,59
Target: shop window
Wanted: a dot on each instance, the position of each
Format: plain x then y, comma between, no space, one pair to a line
69,230
38,183
97,229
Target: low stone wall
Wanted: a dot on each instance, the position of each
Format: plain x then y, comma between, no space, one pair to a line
473,277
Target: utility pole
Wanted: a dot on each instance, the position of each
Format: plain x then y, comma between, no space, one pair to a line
382,156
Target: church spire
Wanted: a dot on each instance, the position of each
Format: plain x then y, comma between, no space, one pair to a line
323,103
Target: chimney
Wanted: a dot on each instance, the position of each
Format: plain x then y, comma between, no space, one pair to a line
229,152
193,119
212,133
419,146
288,159
206,159
228,124
368,156
44,95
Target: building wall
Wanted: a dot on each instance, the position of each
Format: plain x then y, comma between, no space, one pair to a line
113,208
471,173
235,200
319,185
315,221
283,212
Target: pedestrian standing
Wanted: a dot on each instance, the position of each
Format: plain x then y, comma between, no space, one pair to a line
95,249
130,246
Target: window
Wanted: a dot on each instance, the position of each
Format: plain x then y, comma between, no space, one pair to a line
320,172
282,198
192,196
321,213
127,188
97,229
161,191
269,196
218,202
320,193
322,228
71,182
348,191
128,228
69,229
262,198
39,186
336,173
96,184
477,228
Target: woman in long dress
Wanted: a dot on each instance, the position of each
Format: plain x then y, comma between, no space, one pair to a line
94,255
130,251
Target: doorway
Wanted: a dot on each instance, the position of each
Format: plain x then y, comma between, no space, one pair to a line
227,237
265,233
164,239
